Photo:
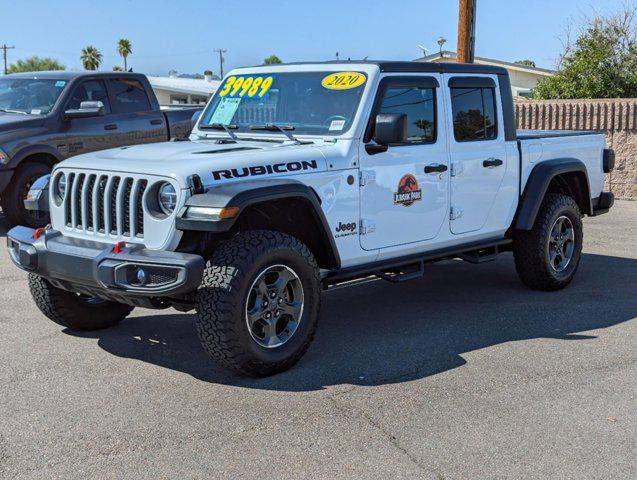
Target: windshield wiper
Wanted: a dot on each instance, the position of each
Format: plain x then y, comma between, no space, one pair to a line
220,126
7,110
284,129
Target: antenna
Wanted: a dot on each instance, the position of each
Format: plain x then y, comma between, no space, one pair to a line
425,51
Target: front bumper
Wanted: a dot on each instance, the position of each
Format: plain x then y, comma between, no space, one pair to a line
94,268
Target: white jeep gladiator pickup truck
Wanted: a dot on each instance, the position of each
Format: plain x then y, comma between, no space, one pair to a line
299,177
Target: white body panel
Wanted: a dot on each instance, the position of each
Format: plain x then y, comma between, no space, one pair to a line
488,198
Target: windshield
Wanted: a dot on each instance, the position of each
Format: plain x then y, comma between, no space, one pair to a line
28,95
310,103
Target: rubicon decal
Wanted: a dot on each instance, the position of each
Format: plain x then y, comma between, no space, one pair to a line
257,170
408,191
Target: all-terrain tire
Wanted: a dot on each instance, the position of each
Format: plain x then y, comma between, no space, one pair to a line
531,248
221,302
73,311
15,193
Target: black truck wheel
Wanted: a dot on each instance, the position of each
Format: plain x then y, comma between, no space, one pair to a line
258,304
74,311
14,195
547,257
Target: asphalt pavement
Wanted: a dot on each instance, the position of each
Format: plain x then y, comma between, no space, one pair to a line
463,374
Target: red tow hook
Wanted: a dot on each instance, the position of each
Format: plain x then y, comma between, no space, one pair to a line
38,232
119,246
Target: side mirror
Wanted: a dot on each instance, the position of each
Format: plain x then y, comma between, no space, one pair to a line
391,128
87,110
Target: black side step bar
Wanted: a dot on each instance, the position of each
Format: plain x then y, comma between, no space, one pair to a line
393,269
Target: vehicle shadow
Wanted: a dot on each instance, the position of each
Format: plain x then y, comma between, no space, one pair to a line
4,225
379,333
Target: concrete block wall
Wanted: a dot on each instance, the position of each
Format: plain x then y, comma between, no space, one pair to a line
617,119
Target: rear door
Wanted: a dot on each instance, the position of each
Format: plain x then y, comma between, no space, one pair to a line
404,198
136,120
478,150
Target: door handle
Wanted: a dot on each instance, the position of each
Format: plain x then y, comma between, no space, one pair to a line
110,126
435,168
156,121
492,162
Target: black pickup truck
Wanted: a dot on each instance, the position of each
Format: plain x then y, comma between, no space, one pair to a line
46,117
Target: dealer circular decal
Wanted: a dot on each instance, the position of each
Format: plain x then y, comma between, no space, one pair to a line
408,191
343,80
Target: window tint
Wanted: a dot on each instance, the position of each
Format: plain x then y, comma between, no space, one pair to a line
419,105
129,96
89,91
474,116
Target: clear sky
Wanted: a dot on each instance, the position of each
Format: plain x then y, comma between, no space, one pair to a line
182,34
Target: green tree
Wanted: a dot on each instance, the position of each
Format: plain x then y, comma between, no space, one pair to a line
91,58
526,63
601,63
117,68
272,60
35,64
124,48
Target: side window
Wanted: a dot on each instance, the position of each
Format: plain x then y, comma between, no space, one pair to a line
419,104
129,96
474,117
89,91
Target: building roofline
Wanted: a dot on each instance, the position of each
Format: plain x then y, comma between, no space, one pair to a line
512,65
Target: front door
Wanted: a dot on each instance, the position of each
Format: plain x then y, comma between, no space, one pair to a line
83,135
404,191
478,150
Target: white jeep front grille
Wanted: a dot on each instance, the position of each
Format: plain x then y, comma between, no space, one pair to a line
107,204
112,207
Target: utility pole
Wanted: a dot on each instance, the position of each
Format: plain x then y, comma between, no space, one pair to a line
221,51
4,49
466,31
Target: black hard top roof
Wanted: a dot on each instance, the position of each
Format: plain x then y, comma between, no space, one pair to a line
416,67
69,75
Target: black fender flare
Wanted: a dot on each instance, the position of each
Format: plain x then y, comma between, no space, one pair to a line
538,184
244,194
31,150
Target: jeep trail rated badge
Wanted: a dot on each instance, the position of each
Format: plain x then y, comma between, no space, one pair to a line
408,191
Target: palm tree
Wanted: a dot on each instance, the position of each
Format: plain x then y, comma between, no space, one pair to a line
91,58
124,48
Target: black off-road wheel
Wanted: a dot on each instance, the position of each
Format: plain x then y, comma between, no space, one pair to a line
258,304
14,195
74,311
547,257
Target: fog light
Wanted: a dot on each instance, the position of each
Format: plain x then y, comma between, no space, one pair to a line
141,276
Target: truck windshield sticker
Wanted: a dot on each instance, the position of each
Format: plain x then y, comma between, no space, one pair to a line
225,111
343,80
60,83
337,125
408,191
246,87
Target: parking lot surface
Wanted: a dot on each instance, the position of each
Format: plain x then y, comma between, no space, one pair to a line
462,374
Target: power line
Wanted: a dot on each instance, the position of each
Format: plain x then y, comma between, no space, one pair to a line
221,51
4,48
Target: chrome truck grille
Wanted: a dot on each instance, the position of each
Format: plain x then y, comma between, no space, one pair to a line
107,204
112,207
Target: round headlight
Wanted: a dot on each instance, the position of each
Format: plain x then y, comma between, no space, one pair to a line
61,186
167,198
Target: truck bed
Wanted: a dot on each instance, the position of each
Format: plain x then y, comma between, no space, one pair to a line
541,145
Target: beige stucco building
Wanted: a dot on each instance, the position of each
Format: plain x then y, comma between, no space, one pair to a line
523,77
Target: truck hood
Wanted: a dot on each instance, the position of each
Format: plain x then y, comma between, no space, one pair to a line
214,163
15,121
